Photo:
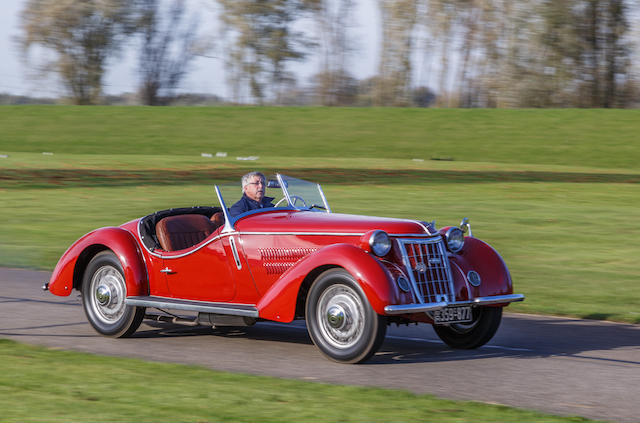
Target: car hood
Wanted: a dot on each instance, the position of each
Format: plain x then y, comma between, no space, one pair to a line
314,222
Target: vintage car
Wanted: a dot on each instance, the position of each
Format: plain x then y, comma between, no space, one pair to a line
348,276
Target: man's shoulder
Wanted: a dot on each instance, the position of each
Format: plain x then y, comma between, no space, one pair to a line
239,205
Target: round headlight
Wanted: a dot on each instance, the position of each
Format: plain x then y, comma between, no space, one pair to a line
380,243
455,239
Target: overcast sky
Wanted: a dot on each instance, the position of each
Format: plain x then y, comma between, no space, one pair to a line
206,75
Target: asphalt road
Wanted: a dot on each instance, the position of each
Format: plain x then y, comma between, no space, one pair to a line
557,365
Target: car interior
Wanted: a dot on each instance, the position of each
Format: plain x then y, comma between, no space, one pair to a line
178,229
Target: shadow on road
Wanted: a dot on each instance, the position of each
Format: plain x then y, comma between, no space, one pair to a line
525,337
262,332
519,337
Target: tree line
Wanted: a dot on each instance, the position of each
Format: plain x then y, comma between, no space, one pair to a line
447,53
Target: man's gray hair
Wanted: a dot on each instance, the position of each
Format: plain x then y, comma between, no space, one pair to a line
247,178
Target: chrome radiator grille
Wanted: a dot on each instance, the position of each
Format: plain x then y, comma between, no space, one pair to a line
427,265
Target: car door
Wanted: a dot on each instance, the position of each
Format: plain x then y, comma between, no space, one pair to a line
201,272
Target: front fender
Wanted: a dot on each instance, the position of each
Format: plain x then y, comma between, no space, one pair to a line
69,271
279,302
479,256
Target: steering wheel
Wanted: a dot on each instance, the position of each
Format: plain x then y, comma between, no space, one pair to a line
294,200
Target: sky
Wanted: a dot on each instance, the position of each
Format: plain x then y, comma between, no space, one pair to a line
205,77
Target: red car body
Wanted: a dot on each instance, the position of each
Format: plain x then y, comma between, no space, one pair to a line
264,266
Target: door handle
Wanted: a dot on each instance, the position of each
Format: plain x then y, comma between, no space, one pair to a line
167,271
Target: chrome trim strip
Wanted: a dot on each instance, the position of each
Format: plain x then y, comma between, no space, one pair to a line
200,306
480,301
284,189
497,299
228,226
324,199
234,250
426,229
426,236
304,233
233,232
336,234
414,308
215,238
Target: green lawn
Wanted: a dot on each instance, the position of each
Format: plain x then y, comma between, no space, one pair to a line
557,192
594,138
41,385
564,219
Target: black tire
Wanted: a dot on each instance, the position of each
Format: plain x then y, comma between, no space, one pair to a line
103,293
486,321
340,320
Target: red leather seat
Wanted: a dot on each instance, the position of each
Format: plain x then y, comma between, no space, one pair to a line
183,231
217,219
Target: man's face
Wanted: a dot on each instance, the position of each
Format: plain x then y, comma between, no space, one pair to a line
255,189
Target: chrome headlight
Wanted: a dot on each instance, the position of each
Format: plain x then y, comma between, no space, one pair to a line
380,243
455,239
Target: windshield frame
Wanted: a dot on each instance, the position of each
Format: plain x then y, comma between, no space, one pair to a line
229,224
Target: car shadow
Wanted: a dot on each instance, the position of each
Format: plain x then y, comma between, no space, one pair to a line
263,331
524,337
519,336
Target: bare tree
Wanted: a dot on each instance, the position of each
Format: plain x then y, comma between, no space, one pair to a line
261,40
82,34
168,47
333,84
585,52
395,69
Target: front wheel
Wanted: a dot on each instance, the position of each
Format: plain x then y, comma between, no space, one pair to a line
473,334
340,320
103,294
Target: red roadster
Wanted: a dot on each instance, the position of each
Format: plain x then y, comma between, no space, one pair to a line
348,276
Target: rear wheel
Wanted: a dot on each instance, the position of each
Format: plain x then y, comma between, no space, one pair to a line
340,320
486,321
103,294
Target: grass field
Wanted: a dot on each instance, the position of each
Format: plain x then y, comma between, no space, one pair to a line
557,192
40,385
592,138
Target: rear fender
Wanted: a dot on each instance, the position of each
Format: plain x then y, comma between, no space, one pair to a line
279,302
69,271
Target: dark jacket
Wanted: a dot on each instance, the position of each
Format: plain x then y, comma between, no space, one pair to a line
245,204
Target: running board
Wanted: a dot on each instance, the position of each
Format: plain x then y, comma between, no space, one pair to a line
187,305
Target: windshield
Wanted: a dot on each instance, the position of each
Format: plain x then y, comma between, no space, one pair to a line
281,191
303,194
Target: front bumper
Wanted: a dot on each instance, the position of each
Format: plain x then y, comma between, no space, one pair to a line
480,301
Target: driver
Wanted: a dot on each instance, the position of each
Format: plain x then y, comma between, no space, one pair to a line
253,186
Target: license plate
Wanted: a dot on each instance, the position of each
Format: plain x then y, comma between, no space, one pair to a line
452,315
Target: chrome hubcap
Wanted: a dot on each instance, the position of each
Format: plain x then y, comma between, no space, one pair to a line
340,315
103,295
335,317
109,291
